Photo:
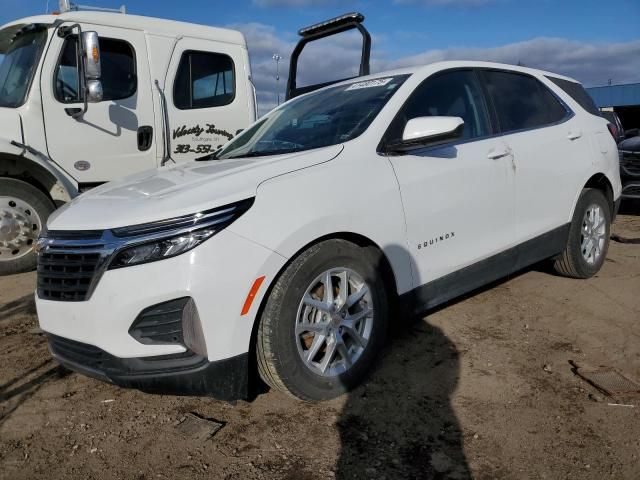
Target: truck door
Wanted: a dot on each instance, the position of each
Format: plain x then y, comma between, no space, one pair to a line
114,137
209,96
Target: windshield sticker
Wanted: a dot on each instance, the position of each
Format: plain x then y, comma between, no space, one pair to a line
378,82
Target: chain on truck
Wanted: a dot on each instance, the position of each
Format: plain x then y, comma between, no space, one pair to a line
89,95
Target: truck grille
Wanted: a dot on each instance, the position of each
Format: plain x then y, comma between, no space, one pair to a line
67,267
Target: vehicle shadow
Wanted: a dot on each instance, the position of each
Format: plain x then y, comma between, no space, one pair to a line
400,423
22,306
18,390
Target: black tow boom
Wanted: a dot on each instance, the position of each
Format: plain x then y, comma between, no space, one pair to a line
349,21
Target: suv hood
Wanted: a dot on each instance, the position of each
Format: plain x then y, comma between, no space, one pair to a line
182,189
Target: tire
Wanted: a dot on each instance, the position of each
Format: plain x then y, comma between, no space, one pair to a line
20,201
280,348
572,262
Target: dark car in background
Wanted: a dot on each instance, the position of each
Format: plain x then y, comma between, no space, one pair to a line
630,167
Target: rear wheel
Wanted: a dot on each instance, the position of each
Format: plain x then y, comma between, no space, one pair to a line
324,322
588,240
23,213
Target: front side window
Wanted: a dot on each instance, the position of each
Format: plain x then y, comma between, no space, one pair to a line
204,80
449,94
119,79
327,117
522,102
18,65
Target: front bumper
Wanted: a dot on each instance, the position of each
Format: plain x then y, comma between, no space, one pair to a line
178,374
217,276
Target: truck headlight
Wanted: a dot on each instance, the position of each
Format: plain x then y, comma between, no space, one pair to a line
167,238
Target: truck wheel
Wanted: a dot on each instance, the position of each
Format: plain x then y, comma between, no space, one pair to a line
324,322
588,240
23,213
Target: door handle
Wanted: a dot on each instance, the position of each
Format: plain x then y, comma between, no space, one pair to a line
574,135
145,138
72,111
498,153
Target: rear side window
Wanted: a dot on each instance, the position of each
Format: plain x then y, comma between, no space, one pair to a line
578,93
455,94
521,101
118,71
204,80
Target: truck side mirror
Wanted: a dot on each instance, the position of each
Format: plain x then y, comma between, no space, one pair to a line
92,66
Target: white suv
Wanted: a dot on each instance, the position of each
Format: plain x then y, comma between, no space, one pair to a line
284,250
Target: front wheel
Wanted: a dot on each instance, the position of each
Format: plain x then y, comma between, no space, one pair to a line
324,321
23,213
588,240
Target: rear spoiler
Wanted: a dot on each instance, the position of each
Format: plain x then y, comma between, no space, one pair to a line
321,30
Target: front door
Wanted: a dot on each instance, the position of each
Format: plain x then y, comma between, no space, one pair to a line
458,198
114,137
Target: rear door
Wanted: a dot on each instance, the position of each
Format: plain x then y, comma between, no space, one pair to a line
104,143
548,147
209,96
458,197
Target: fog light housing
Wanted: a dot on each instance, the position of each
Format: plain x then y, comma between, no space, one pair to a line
175,322
192,329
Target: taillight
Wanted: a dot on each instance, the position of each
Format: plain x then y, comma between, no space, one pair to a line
613,130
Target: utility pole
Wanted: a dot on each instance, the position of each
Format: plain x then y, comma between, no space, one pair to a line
277,58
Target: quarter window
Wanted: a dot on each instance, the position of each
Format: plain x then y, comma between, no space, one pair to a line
204,80
118,71
453,94
578,93
522,102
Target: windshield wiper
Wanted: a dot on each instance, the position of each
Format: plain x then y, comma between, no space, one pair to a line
210,156
265,153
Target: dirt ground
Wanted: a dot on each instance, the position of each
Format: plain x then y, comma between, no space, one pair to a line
481,388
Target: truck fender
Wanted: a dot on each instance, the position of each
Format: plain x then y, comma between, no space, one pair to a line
22,162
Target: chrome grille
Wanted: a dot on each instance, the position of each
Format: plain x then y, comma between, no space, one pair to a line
632,190
631,162
68,265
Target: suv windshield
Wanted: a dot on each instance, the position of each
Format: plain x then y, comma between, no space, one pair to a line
18,65
327,117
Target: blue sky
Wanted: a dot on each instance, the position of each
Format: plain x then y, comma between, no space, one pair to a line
592,40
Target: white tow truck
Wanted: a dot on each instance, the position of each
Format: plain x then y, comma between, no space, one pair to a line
90,96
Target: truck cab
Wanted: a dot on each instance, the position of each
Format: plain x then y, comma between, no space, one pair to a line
149,92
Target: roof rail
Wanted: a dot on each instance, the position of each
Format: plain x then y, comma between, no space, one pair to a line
324,29
68,6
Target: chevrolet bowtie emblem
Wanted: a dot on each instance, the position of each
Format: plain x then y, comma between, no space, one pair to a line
42,245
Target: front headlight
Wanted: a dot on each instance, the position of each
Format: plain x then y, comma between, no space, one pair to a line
167,238
166,248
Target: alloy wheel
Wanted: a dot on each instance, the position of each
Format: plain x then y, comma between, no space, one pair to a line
334,322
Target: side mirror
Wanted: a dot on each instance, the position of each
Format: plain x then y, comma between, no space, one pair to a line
92,66
427,131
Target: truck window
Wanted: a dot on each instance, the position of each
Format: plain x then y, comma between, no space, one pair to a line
522,102
204,80
118,71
